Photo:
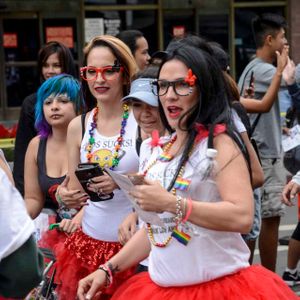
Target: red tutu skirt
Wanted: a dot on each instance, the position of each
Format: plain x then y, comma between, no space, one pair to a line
51,239
81,255
252,283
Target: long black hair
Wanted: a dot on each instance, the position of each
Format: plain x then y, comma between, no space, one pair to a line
213,105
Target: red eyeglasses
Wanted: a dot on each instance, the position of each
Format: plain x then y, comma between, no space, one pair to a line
107,73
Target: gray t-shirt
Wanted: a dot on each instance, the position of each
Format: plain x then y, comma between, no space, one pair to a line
267,132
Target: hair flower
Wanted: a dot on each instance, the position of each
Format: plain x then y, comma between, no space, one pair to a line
190,78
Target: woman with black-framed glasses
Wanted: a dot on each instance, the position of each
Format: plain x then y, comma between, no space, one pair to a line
106,137
199,186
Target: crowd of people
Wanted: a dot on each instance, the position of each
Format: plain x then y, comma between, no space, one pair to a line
201,163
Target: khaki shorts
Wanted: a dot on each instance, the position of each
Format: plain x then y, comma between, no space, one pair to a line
275,180
255,230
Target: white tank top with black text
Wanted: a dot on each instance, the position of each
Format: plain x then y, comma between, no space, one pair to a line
101,219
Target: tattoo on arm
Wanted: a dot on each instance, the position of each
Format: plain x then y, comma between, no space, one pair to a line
113,269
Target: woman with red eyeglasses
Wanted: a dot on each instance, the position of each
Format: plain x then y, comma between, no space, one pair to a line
106,135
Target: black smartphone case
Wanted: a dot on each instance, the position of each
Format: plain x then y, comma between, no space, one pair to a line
87,171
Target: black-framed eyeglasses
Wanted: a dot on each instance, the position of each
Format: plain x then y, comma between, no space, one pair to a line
180,87
90,73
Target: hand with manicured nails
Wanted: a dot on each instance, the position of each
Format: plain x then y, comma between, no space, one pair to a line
151,196
90,285
71,198
103,184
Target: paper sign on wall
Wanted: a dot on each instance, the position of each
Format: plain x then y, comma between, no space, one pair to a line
93,27
60,34
10,40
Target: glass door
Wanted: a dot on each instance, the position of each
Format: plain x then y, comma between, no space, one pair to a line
18,76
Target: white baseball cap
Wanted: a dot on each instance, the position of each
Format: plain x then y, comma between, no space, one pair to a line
141,89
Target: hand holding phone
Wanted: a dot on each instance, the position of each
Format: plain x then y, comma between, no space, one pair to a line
85,172
251,80
249,92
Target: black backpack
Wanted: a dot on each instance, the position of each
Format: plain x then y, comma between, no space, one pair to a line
241,112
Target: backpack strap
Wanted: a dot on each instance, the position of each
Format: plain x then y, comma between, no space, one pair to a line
242,114
254,124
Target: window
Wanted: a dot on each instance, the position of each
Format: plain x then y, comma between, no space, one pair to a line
115,21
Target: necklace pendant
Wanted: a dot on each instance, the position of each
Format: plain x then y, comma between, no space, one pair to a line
164,157
181,236
182,184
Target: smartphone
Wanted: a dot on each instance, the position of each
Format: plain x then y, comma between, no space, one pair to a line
251,79
87,171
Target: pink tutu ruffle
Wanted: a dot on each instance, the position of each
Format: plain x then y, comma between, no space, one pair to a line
252,283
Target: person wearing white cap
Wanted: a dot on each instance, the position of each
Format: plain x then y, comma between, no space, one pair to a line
145,109
145,103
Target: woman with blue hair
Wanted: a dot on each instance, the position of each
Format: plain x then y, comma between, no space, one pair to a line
59,100
54,58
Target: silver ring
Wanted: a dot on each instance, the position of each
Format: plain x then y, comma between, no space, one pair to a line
99,192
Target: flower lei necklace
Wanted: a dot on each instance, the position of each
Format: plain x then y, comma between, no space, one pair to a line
116,160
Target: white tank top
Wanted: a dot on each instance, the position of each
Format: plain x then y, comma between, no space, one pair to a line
209,254
101,219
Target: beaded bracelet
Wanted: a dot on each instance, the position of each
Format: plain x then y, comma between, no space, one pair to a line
178,216
189,211
108,273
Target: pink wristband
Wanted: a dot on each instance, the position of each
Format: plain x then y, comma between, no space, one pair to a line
189,210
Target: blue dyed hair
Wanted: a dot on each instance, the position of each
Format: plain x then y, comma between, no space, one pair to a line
57,85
